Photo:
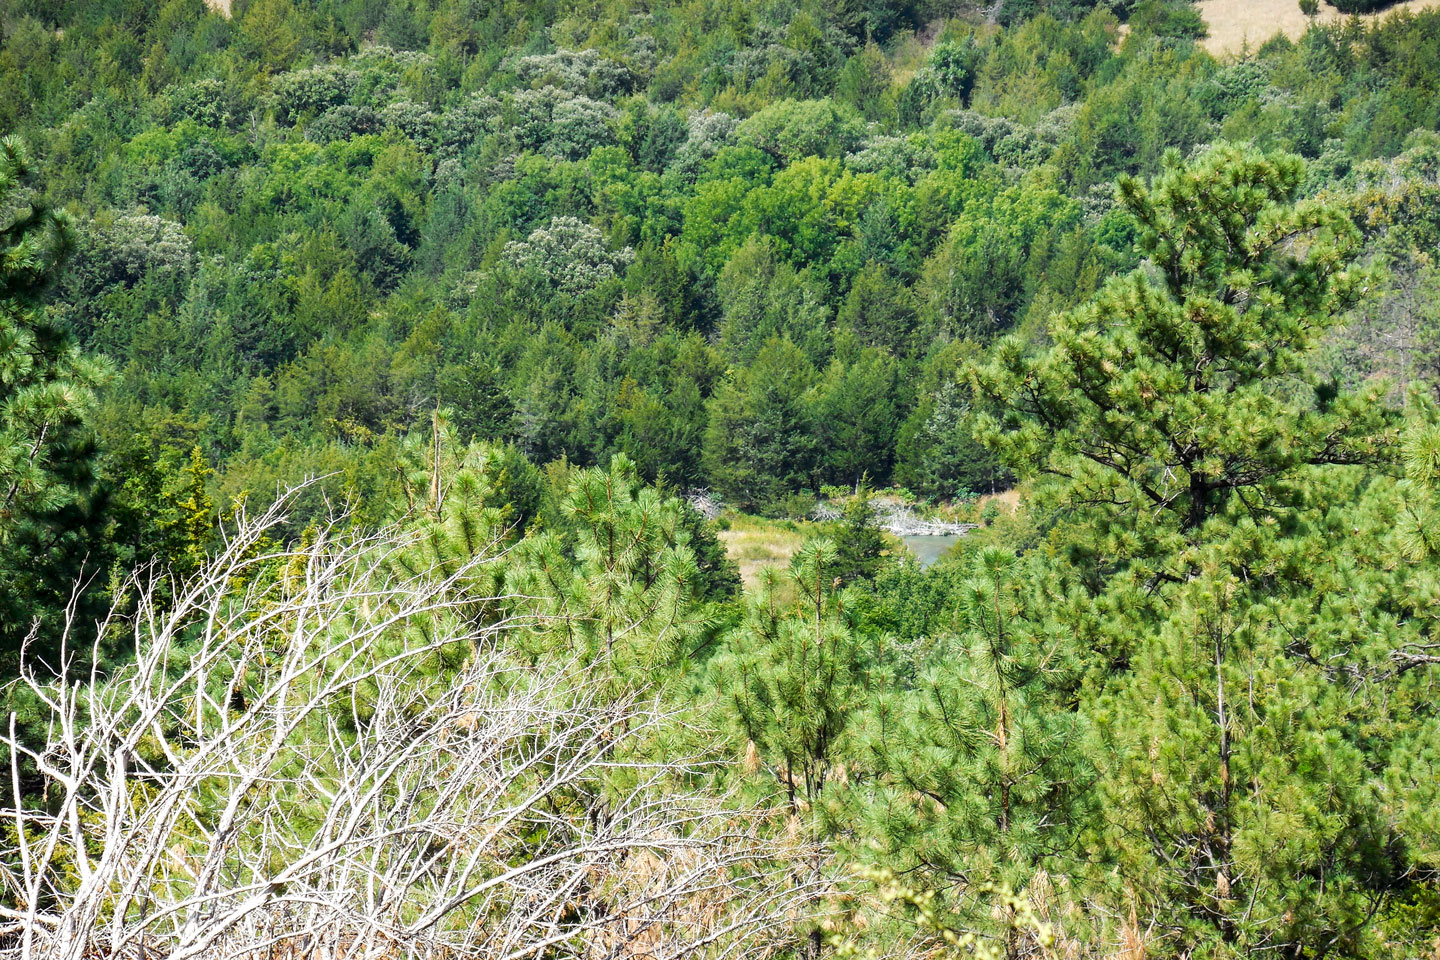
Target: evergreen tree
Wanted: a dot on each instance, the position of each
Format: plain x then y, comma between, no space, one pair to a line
1419,528
855,417
982,769
193,524
793,674
758,443
1183,440
616,580
48,511
465,501
1183,390
935,453
719,575
860,545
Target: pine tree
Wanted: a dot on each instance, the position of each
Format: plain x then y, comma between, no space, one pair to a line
1183,390
1186,449
759,445
193,524
860,547
466,501
1419,528
981,767
793,673
47,394
617,581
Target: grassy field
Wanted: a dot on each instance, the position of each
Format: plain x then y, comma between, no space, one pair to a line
1234,24
755,543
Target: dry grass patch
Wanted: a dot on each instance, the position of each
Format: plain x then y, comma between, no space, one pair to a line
1236,24
755,544
1008,500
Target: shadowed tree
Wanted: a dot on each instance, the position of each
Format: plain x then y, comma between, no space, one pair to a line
46,398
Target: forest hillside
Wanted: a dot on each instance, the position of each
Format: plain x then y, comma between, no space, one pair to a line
719,478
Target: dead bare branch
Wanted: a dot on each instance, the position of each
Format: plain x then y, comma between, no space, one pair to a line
315,752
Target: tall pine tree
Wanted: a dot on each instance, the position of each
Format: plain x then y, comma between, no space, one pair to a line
47,392
1185,449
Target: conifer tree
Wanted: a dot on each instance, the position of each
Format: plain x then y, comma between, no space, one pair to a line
1419,528
1183,390
466,500
793,673
861,546
193,524
1183,442
982,767
1413,775
619,582
758,445
47,394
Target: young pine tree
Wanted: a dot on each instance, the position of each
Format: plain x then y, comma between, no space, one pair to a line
981,769
617,581
861,548
465,501
793,674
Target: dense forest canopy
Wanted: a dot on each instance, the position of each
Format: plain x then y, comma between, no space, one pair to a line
394,343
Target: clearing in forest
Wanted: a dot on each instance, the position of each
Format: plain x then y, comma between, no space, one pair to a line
1234,24
755,544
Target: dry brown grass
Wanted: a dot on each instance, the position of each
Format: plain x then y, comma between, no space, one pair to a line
755,544
1008,500
1234,24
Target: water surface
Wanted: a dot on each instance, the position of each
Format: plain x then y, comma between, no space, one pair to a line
927,549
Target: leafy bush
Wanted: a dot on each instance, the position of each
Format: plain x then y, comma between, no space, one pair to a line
793,129
569,254
308,92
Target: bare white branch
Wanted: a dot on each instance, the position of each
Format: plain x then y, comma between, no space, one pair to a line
317,751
